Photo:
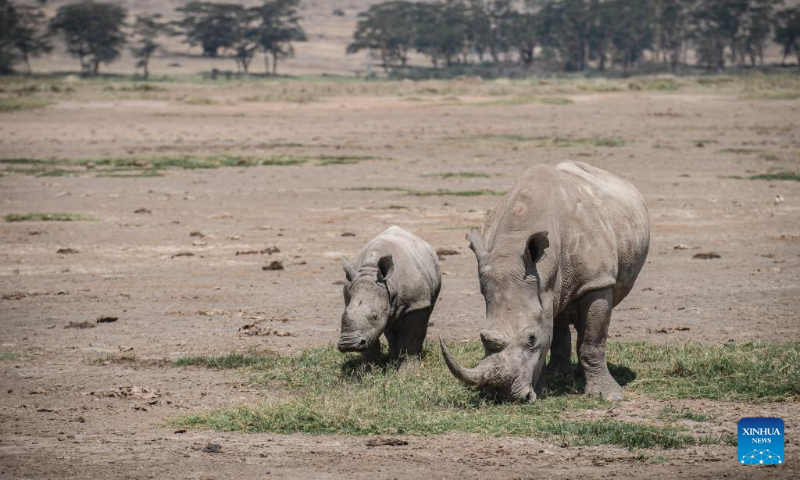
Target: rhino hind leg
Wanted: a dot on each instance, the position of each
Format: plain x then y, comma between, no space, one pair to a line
407,335
594,315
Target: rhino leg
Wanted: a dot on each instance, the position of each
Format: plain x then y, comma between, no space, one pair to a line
560,350
406,336
372,353
594,315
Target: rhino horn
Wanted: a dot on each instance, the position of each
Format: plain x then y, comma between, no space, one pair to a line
349,271
471,376
476,244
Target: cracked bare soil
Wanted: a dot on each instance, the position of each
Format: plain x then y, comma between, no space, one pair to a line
63,415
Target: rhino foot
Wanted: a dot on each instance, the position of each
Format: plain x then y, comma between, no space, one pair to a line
609,390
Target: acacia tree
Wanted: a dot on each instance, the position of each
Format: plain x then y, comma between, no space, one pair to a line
92,32
21,35
146,31
757,28
213,26
787,32
279,27
674,29
387,28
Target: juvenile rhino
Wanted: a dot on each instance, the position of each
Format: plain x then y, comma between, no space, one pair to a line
563,247
391,289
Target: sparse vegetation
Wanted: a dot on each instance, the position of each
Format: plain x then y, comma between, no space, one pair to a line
231,360
458,175
332,394
13,104
427,193
541,141
777,176
671,413
130,167
9,357
47,217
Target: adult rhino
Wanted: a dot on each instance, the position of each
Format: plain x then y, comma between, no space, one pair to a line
390,290
563,247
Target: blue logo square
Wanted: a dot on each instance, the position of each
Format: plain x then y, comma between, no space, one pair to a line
760,441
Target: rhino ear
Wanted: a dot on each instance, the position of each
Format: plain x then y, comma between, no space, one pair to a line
349,271
537,244
385,268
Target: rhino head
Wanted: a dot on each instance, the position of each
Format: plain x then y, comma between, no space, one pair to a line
519,326
366,300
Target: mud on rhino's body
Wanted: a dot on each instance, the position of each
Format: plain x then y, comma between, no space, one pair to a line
563,247
391,288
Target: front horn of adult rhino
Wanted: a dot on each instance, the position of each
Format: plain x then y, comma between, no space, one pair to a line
563,247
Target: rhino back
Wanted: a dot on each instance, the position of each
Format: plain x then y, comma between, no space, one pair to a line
606,229
597,226
416,280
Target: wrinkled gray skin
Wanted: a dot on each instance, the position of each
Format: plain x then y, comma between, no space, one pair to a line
563,247
390,289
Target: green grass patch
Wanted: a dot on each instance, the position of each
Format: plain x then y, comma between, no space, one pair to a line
10,357
325,393
13,104
656,84
737,373
24,161
514,101
539,141
443,192
458,175
428,193
129,174
671,413
199,101
376,189
223,362
43,172
47,217
774,95
325,160
777,176
741,151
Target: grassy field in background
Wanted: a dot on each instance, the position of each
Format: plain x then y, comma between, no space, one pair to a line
325,393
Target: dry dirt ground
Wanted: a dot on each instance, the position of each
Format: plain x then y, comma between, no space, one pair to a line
678,150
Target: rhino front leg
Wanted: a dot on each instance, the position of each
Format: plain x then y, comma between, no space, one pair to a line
408,334
594,315
372,353
560,362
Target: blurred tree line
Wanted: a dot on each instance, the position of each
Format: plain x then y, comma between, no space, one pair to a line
578,33
574,33
96,32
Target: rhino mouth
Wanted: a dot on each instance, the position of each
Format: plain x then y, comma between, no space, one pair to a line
354,342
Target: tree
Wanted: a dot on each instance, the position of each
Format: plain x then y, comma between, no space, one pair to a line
146,31
213,26
567,28
787,32
757,28
280,26
632,29
442,31
719,27
92,32
674,29
521,31
21,35
387,28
